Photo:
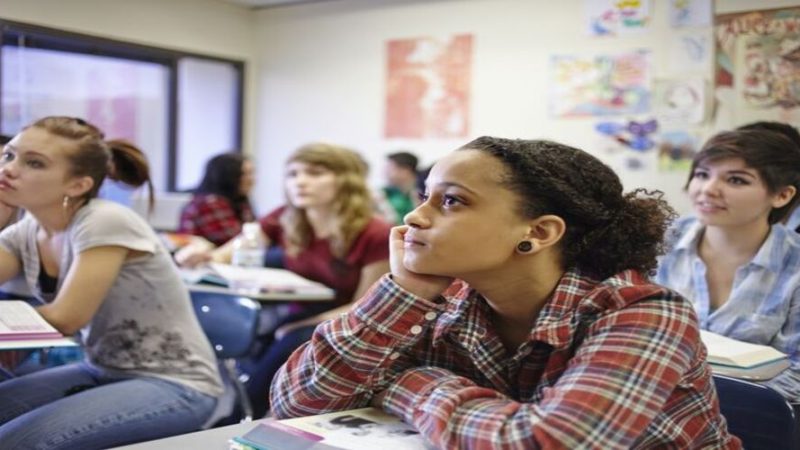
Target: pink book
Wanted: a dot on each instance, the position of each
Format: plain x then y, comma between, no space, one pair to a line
19,320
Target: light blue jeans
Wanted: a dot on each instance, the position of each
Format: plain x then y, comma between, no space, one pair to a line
75,407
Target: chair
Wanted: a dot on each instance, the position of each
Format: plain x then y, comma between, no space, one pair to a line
231,324
756,414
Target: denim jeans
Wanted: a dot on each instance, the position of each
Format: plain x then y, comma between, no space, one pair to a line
75,407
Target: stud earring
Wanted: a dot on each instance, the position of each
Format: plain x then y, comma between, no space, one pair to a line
525,247
65,203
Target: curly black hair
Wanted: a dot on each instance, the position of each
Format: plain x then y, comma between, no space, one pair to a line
607,231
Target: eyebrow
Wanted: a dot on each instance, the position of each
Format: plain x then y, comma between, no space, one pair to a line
732,172
27,152
447,184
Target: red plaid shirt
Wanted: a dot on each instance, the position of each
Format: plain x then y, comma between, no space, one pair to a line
611,364
212,217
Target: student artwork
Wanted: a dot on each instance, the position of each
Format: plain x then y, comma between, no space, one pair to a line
616,17
690,13
758,59
690,51
675,151
427,87
680,102
600,86
631,134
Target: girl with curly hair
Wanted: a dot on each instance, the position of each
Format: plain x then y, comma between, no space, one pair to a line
518,314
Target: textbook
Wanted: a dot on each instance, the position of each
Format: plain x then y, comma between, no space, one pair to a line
19,320
359,429
266,279
730,352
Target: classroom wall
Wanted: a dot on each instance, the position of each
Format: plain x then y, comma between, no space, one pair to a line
210,27
323,74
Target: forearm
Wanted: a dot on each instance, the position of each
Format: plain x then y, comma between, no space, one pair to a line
349,358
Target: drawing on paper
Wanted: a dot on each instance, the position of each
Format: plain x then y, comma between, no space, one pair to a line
600,86
615,17
427,87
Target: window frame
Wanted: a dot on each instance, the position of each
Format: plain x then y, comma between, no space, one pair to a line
71,42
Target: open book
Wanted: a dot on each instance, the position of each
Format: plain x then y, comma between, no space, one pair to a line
730,352
358,429
19,320
256,279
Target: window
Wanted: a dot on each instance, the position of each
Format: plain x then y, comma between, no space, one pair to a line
179,108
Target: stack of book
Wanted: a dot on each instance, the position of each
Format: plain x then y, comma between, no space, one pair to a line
742,359
20,321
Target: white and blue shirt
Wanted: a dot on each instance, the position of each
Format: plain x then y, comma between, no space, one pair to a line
764,303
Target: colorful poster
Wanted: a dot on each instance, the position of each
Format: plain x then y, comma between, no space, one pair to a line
600,86
690,52
427,87
680,101
690,13
758,62
616,17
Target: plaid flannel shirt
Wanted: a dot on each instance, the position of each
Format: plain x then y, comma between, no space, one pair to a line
611,364
212,217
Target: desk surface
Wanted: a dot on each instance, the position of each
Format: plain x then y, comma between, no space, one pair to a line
22,344
213,439
263,297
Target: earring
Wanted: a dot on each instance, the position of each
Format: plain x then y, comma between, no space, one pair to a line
65,203
525,247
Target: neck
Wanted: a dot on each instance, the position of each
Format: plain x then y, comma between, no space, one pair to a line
321,221
740,241
516,295
53,220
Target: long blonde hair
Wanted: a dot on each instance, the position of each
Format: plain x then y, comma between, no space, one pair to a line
352,204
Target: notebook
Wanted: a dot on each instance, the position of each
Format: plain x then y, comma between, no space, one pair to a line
19,320
265,279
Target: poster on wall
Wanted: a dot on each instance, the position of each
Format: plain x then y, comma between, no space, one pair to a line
690,13
676,150
690,51
616,17
680,101
758,65
600,86
428,87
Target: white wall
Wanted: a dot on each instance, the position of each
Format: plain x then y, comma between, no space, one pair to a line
209,27
323,70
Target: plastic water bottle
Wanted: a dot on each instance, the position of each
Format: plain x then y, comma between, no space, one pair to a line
248,251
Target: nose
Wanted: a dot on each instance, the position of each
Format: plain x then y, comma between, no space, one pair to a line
9,168
418,217
711,186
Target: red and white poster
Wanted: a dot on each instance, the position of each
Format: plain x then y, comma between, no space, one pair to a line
427,87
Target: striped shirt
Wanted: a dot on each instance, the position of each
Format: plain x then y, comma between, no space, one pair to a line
611,364
764,304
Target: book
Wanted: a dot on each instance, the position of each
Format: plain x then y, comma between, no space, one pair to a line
266,279
730,352
359,429
19,320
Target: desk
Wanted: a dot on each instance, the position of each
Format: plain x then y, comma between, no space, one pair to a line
263,297
26,344
217,438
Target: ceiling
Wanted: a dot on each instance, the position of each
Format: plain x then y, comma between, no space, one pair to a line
255,4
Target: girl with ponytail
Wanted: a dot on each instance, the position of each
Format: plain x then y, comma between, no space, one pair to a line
518,314
102,275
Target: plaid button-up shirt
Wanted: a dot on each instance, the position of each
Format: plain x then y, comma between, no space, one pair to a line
611,364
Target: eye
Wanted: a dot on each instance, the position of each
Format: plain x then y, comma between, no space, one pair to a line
7,156
738,181
450,200
34,163
701,174
423,197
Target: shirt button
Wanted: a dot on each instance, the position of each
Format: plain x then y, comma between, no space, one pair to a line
430,315
416,329
394,356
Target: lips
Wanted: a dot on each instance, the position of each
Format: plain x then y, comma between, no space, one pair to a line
708,207
409,240
6,186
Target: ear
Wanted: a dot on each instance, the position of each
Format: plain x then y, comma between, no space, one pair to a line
783,196
546,231
78,186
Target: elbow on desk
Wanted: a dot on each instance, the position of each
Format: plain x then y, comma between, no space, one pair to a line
66,324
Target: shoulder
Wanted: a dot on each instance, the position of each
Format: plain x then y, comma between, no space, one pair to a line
107,217
630,290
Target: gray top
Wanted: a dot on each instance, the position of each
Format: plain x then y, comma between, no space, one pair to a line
146,324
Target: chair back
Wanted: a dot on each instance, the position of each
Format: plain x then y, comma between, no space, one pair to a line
756,414
230,322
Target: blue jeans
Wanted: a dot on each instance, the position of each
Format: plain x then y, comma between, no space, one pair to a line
76,407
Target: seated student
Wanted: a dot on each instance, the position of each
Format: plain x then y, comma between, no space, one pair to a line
550,337
734,260
220,204
399,196
150,372
328,235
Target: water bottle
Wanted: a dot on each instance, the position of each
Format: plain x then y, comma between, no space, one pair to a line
248,251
